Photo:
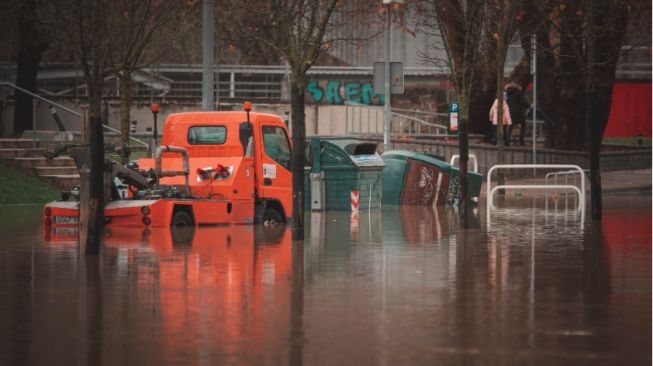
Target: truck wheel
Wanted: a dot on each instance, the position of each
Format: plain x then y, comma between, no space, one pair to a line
271,217
180,219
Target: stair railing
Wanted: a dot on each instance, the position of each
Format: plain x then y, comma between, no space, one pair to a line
62,107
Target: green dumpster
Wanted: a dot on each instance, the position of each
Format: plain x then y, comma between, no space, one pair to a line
347,168
412,178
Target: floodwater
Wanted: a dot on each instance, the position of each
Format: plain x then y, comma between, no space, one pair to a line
405,286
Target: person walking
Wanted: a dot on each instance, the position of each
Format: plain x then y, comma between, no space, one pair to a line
506,123
518,107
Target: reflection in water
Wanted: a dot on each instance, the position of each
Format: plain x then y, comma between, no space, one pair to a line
399,286
224,293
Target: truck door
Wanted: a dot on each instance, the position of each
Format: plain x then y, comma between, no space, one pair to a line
275,170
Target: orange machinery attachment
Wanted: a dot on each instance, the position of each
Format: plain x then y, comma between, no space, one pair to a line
211,168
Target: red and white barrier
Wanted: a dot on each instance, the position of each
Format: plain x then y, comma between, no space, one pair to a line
354,199
353,226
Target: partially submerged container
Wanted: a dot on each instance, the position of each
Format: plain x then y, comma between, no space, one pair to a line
412,178
343,172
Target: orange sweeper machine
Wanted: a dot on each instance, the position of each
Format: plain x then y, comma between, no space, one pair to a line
212,168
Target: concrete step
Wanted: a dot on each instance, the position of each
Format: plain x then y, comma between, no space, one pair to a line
28,163
56,170
16,143
65,181
10,153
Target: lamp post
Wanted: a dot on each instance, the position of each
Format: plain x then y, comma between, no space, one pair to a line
208,77
386,103
155,111
387,92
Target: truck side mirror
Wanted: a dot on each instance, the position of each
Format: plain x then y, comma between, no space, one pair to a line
245,133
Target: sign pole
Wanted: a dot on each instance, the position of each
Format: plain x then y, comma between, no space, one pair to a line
386,104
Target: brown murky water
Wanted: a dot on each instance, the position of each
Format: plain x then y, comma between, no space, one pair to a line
404,286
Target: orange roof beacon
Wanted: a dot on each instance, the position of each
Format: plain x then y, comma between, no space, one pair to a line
211,168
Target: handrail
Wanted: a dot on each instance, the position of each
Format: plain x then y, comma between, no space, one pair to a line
33,95
420,112
471,156
393,113
52,103
141,142
442,127
581,192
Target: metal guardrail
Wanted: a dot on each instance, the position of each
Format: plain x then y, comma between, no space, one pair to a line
62,107
574,173
36,96
491,190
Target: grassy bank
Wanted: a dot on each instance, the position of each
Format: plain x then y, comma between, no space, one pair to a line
627,141
17,187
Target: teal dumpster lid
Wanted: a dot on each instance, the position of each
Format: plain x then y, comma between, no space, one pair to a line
360,153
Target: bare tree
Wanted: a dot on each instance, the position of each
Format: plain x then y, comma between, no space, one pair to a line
295,32
451,23
141,32
580,42
501,26
82,27
461,25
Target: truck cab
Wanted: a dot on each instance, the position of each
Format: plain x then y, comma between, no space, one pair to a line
212,168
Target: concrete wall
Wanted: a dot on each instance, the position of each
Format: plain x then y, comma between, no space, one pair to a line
341,120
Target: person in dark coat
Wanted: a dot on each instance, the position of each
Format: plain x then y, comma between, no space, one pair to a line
517,106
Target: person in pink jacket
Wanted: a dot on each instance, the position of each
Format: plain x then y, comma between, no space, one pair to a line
507,121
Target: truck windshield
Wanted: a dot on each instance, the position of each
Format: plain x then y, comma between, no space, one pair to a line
207,135
276,145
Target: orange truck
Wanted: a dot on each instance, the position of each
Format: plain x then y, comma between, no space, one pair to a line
212,168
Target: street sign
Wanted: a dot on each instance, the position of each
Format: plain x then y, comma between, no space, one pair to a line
396,76
453,118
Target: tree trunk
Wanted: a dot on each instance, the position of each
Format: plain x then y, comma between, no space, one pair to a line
96,183
606,30
31,46
298,140
481,98
125,106
594,136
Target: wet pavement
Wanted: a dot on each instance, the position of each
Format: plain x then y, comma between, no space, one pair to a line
404,286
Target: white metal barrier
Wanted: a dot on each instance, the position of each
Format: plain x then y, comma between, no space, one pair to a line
490,190
471,156
566,173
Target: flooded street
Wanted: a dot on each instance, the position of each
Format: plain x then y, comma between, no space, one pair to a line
404,286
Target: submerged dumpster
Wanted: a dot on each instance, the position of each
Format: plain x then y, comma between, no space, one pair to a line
412,178
343,170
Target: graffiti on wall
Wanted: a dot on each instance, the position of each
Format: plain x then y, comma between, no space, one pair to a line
337,92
